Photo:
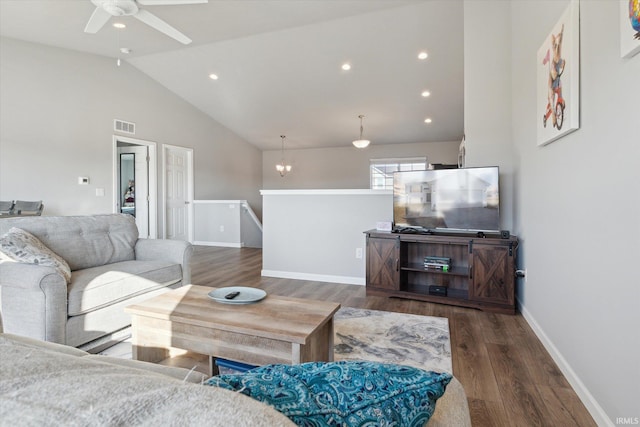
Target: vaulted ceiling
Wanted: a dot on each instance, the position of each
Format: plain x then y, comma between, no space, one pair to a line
279,63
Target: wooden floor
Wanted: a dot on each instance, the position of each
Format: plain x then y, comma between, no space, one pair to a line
509,377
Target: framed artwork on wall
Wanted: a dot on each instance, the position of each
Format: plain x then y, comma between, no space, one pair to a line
629,27
558,78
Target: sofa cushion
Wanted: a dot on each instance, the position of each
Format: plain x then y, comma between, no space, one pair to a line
345,393
21,246
93,288
83,241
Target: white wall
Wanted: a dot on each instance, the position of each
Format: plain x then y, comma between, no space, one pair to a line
227,223
487,97
576,199
217,222
314,234
344,167
56,124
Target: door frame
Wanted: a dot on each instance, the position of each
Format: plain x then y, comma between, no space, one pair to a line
153,180
190,191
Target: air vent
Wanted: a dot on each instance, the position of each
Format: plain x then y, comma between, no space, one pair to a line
125,127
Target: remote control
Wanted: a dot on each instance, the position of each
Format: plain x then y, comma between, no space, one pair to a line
232,295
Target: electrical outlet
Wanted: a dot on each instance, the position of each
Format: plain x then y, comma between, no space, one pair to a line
359,253
222,228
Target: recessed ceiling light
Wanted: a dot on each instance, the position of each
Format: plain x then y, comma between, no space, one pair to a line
425,93
213,76
346,66
423,55
428,120
119,25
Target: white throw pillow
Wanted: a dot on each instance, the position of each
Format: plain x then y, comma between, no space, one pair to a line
21,246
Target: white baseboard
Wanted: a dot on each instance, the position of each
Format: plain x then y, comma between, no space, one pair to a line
349,280
592,405
223,244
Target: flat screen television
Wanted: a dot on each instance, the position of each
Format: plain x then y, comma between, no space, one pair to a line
447,199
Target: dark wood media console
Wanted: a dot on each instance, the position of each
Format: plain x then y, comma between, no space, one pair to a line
481,273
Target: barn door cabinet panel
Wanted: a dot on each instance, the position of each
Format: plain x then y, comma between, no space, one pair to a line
492,273
480,273
383,262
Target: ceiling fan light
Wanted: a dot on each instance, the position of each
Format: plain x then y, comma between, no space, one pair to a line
119,7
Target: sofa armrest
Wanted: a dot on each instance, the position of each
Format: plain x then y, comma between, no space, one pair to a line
176,251
452,409
43,345
33,301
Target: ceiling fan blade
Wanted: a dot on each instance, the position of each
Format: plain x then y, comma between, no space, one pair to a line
170,2
153,21
97,20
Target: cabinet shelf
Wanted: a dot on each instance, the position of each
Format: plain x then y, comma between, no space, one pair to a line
424,290
395,267
454,271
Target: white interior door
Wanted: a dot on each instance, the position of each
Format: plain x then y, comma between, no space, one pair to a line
178,193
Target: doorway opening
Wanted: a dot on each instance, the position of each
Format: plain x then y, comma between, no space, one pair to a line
135,185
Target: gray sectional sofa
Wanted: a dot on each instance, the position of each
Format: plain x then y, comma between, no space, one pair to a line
110,269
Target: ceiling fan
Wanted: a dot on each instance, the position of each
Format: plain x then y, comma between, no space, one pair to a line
105,9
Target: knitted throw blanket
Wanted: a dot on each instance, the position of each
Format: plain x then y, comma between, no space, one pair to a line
42,387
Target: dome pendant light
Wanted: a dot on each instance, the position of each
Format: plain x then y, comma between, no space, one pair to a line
282,167
361,143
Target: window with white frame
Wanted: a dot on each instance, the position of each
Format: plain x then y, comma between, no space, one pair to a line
381,170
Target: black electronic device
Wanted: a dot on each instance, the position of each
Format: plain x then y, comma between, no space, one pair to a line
438,290
232,295
411,230
447,199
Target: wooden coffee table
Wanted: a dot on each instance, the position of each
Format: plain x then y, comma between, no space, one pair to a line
275,330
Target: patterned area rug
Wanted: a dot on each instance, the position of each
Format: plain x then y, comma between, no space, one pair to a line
380,336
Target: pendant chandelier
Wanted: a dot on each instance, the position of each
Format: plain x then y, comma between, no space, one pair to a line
282,167
361,143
